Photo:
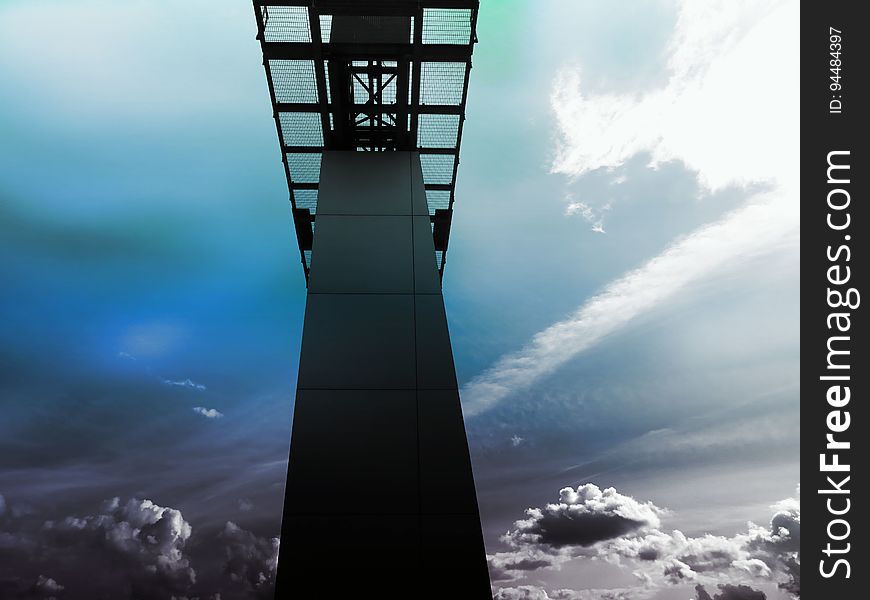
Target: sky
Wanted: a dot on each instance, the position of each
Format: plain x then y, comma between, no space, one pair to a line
621,288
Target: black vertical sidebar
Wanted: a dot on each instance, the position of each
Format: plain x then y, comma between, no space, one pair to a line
834,373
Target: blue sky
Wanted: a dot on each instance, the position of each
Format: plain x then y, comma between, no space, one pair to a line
621,286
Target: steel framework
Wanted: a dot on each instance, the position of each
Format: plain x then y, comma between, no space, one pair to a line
395,78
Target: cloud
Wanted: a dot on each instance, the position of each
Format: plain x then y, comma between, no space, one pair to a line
589,214
584,517
517,440
745,233
509,566
524,592
606,525
185,383
531,592
42,588
252,561
47,586
144,534
727,138
731,592
130,549
209,413
771,553
699,117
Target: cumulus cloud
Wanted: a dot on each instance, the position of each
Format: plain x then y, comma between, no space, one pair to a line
730,592
186,383
251,561
146,535
584,517
143,542
531,592
508,566
604,524
46,586
209,413
523,592
127,549
726,138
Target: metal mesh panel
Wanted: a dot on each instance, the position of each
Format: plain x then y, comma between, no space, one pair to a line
294,80
437,199
285,24
325,28
437,131
306,199
307,254
446,26
301,129
439,259
442,82
304,167
437,168
326,74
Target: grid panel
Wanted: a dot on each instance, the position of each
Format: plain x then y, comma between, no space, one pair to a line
437,199
294,80
442,83
437,168
304,167
285,24
301,128
326,77
446,26
325,28
306,199
437,131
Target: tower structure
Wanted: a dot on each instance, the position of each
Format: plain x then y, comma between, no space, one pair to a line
369,102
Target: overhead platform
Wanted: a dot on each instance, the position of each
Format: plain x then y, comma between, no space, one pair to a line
370,77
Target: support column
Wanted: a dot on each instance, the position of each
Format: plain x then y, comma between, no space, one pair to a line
380,496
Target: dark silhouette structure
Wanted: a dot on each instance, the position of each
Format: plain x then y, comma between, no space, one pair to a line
369,102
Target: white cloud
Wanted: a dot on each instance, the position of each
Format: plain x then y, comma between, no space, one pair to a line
185,383
709,118
711,114
209,413
607,525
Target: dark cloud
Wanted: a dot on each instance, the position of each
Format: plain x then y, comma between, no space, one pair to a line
148,538
508,566
42,588
133,549
532,592
584,517
731,592
252,561
611,526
